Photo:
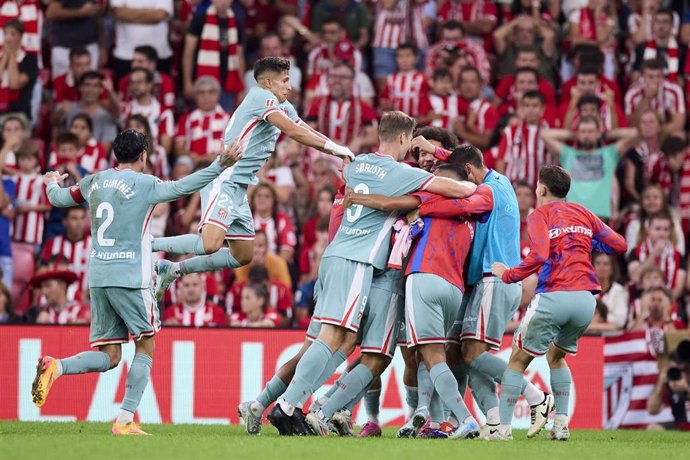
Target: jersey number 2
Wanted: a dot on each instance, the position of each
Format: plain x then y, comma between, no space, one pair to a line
355,211
106,208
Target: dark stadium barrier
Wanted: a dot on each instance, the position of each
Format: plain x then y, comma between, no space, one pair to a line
200,375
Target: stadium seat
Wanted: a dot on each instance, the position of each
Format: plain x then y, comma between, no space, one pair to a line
24,264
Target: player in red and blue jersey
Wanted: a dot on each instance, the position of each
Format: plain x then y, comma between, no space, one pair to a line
434,287
562,237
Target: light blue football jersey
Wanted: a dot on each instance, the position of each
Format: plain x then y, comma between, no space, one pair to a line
121,203
364,235
259,136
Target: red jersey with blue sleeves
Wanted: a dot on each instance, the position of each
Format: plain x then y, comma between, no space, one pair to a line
478,205
443,245
562,236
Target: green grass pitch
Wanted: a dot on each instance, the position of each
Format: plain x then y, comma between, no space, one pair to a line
92,441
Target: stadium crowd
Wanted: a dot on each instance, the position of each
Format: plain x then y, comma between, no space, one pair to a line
597,85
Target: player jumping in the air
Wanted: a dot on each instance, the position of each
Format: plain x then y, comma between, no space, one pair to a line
121,201
258,121
359,247
562,236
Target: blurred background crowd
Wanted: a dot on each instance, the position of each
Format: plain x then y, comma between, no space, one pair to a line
597,85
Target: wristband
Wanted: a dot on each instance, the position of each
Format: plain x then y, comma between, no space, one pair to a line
338,150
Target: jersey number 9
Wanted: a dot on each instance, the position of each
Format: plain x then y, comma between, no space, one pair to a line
355,211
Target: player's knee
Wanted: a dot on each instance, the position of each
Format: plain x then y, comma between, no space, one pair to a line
212,245
115,357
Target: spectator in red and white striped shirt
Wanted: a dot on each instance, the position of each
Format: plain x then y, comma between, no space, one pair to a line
512,87
92,154
161,120
478,117
279,295
397,22
73,247
653,91
278,227
322,57
672,172
194,309
53,282
521,153
478,18
32,201
30,14
199,131
405,89
146,57
254,309
454,45
441,107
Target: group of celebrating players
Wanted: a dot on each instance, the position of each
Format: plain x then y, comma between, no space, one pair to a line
429,261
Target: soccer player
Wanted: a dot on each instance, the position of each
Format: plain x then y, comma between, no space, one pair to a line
433,293
347,266
562,237
121,201
488,306
263,114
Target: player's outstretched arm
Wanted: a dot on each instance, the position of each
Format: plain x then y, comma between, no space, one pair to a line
307,136
480,202
450,188
172,190
58,196
607,240
381,202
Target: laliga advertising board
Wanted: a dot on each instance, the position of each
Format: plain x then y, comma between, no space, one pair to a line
200,376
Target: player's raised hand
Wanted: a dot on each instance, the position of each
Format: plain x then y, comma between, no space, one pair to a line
54,177
231,153
421,143
498,269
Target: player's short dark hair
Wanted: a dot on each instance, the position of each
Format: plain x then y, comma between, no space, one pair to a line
148,51
556,179
85,117
407,46
588,69
395,123
672,146
534,94
454,168
441,73
91,75
589,99
67,138
270,64
78,51
467,154
433,133
148,75
128,146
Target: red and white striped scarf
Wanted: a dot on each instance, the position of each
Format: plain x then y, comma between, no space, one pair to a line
527,152
672,57
8,95
668,262
210,49
341,120
665,179
29,13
